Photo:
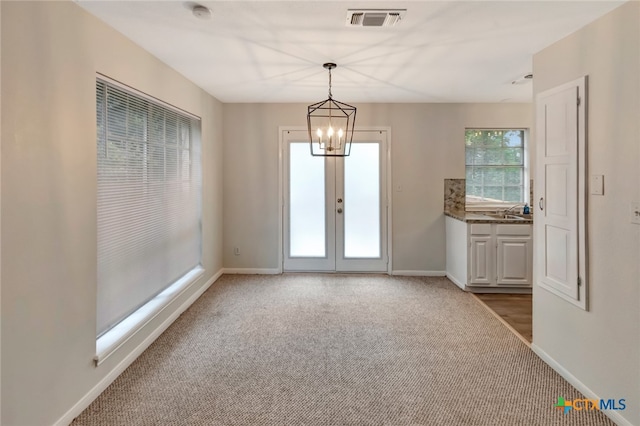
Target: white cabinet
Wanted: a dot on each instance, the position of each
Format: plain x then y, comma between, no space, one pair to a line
482,248
490,256
514,255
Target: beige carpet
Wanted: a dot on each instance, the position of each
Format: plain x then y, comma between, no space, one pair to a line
314,349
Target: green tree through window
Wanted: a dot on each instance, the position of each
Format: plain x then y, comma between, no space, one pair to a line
495,165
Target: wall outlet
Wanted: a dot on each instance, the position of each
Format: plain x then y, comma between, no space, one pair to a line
236,251
634,212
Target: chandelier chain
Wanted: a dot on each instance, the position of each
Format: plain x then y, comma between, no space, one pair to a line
329,83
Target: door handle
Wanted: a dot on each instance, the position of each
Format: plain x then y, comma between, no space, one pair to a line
541,203
339,210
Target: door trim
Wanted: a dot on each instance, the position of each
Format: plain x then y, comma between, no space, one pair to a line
387,158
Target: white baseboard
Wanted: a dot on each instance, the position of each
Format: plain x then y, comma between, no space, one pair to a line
456,281
420,273
615,416
86,400
252,271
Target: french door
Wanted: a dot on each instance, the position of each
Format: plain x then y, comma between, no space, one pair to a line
335,208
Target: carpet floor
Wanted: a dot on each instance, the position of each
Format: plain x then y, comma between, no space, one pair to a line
333,349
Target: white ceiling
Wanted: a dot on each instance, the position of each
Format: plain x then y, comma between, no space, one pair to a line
273,51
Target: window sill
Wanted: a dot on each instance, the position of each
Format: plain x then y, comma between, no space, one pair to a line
110,341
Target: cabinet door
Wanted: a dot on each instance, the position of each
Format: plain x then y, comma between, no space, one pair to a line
481,261
515,259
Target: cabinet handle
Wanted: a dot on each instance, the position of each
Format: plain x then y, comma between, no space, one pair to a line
541,203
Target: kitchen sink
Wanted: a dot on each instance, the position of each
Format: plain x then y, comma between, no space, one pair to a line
507,216
494,215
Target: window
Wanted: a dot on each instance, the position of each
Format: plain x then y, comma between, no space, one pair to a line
149,200
495,166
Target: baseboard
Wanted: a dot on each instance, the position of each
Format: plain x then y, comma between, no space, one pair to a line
420,273
615,416
456,281
86,400
252,271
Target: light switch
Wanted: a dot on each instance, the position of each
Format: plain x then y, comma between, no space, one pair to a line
596,185
634,212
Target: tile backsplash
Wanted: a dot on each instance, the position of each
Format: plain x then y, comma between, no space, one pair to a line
454,194
531,194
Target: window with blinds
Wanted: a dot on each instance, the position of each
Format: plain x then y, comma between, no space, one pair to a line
149,200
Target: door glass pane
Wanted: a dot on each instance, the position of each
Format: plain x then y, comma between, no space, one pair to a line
362,201
306,202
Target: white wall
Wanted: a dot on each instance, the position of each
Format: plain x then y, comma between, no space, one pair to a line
427,147
51,52
0,216
601,347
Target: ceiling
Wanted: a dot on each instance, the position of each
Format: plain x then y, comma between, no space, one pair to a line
273,51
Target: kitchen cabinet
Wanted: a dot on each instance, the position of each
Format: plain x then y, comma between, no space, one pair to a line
482,255
490,257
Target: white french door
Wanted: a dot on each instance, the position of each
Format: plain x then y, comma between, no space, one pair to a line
335,208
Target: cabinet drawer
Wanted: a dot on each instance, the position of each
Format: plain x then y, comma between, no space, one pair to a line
480,228
521,230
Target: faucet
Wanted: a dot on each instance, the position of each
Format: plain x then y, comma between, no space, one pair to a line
505,212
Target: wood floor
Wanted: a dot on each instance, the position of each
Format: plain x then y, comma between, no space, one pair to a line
514,309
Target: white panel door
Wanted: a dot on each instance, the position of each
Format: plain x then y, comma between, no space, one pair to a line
335,209
560,164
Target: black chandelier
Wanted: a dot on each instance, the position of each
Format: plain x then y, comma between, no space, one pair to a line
330,125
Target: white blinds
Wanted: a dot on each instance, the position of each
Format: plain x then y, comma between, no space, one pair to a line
149,200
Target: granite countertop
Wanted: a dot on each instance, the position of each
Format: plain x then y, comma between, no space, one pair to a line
479,217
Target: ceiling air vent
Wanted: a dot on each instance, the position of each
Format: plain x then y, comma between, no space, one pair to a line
374,17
